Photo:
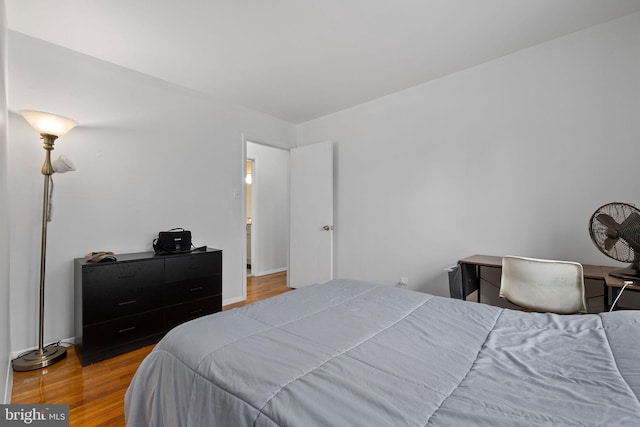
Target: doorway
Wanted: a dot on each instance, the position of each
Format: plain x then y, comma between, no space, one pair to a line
269,246
266,183
248,182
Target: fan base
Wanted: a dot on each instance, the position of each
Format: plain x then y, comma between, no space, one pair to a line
626,273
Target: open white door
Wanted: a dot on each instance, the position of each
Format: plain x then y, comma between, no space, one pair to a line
311,229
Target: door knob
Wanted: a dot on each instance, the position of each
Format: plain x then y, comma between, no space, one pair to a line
327,227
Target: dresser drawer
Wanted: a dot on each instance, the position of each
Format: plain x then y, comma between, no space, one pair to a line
115,290
104,335
193,266
192,289
181,313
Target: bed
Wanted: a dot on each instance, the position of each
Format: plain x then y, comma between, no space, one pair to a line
350,353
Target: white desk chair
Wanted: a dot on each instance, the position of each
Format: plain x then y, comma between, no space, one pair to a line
543,285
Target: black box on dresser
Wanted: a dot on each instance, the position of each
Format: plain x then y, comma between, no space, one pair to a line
132,302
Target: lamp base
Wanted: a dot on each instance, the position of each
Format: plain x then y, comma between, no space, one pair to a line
37,359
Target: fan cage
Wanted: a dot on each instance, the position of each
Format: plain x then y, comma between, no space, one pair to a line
602,235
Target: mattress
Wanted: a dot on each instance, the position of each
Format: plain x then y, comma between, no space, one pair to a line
350,353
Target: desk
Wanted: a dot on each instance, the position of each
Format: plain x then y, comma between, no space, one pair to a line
470,269
616,284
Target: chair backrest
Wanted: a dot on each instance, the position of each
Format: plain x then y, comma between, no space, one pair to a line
543,285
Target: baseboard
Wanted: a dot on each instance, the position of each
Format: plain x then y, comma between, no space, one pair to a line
266,273
8,388
232,301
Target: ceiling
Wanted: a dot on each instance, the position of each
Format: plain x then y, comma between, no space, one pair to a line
302,59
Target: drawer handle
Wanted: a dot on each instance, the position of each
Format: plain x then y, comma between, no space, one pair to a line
197,311
127,302
127,329
194,267
197,288
126,276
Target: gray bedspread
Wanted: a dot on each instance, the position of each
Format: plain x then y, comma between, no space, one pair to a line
349,353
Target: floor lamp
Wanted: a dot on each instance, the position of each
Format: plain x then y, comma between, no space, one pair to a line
50,126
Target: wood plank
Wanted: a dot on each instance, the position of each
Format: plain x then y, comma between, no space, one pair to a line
618,282
482,260
263,287
590,271
95,393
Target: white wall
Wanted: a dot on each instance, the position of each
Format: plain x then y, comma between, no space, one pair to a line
510,157
270,222
150,156
5,303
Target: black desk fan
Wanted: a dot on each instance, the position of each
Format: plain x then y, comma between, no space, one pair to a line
615,230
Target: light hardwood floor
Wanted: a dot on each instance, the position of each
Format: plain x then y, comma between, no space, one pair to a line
95,393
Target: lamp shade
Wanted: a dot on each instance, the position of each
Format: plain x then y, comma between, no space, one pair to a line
63,164
48,123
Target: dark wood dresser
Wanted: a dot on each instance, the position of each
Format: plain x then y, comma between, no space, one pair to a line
132,302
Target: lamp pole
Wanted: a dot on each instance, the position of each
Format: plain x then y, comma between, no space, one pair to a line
44,356
47,171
